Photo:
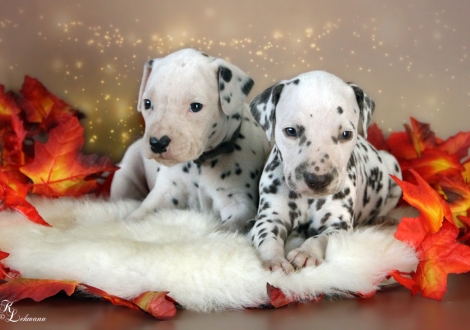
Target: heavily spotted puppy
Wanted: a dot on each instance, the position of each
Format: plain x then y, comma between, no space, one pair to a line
322,175
201,149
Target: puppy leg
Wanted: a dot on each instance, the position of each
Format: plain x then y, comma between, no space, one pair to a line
310,254
238,209
130,181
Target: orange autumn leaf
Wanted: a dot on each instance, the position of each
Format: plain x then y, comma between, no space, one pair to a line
3,270
36,289
431,164
158,304
420,135
276,297
376,137
433,209
440,255
456,145
42,107
12,132
400,146
11,199
457,194
466,171
59,168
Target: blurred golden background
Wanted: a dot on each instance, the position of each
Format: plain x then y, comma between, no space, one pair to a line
412,57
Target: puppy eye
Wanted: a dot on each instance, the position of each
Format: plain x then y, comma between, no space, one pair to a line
290,131
147,104
195,107
346,135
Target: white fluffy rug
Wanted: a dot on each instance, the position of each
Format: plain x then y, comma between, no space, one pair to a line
182,253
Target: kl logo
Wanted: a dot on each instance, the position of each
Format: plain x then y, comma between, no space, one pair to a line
10,314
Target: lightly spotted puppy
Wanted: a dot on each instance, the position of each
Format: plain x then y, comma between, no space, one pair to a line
322,175
202,148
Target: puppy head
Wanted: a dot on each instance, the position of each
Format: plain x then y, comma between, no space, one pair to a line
186,99
314,120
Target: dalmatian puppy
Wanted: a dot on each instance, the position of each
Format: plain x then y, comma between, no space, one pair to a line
202,148
322,175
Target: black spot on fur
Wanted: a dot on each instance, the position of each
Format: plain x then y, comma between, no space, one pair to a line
204,54
247,86
225,73
273,187
174,201
320,203
227,99
325,218
340,110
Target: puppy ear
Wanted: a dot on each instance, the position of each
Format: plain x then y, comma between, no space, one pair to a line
366,108
263,108
234,85
148,67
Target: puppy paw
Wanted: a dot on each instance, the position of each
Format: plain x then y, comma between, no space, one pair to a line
300,259
278,264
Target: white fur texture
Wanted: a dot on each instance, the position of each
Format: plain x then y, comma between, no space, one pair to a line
182,252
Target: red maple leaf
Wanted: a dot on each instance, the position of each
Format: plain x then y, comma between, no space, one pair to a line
36,289
457,195
376,137
42,107
276,297
431,165
16,200
421,136
5,272
158,304
456,145
59,168
440,255
399,145
433,209
12,132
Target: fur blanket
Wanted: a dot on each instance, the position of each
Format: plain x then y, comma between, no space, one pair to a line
182,252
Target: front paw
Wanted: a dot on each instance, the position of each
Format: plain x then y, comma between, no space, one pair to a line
310,254
277,264
300,259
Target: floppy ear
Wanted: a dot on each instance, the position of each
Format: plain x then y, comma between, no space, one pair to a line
148,67
366,108
263,108
234,85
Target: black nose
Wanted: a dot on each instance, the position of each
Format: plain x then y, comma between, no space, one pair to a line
159,145
318,182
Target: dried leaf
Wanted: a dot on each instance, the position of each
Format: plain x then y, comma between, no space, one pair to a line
456,145
457,195
376,137
59,169
12,132
21,288
10,199
433,209
400,146
440,254
42,107
431,165
276,297
158,304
